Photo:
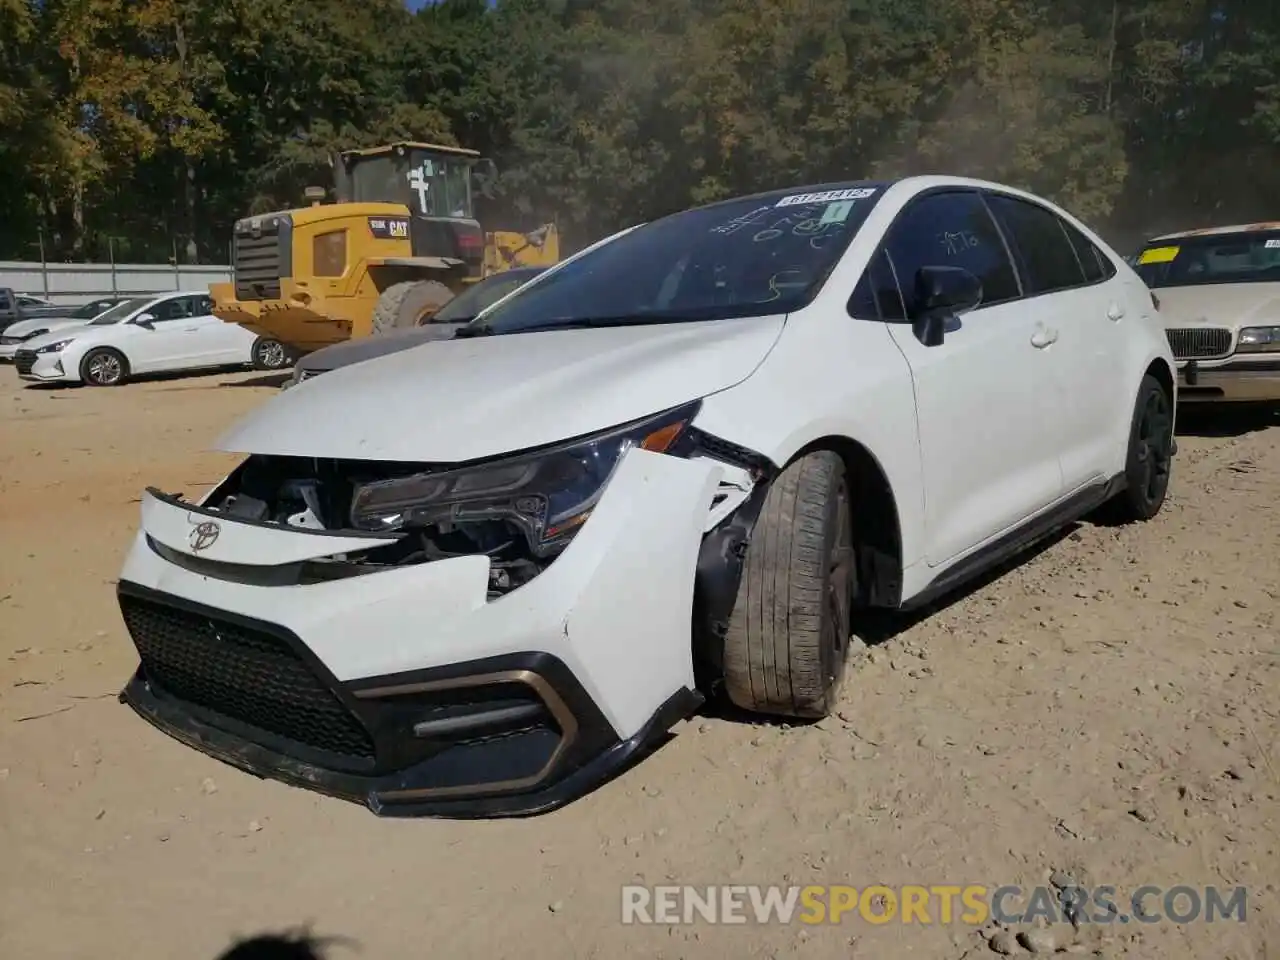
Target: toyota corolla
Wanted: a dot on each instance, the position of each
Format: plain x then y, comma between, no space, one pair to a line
479,576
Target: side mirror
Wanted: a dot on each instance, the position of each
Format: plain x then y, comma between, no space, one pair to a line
147,320
942,293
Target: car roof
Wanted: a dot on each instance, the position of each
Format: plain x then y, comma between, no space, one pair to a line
915,183
1260,227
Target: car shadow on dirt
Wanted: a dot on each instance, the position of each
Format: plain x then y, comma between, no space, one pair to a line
1227,420
267,380
182,380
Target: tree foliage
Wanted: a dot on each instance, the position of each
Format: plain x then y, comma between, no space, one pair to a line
143,128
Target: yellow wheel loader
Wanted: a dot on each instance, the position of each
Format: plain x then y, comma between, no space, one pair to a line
398,244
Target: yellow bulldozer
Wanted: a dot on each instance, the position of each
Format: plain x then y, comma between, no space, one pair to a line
398,244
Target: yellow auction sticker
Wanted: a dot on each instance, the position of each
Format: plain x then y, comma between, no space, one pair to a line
1158,255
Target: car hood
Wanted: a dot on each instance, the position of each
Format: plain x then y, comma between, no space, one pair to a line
24,328
458,400
1220,305
379,345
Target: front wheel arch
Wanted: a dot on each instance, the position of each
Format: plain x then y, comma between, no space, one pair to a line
877,541
83,366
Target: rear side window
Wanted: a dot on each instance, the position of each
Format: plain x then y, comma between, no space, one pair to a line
1047,258
951,230
5,303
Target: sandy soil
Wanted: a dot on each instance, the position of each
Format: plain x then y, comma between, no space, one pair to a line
1109,708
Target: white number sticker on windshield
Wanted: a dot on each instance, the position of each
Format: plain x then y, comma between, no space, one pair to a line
1273,244
855,193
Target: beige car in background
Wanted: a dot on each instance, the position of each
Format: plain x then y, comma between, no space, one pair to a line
1219,293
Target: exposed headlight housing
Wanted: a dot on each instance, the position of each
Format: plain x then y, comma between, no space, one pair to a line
1258,340
548,493
56,347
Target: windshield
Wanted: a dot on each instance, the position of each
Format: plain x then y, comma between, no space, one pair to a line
1252,257
469,304
120,311
743,258
429,184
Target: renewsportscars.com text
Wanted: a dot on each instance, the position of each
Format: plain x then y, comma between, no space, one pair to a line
971,904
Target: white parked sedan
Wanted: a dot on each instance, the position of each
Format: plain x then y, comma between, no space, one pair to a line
172,332
478,576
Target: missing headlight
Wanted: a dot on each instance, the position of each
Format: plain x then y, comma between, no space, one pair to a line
542,496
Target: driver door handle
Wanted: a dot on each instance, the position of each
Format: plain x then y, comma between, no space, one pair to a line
1043,338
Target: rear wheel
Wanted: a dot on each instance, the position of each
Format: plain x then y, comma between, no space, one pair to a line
409,304
1149,462
104,367
788,636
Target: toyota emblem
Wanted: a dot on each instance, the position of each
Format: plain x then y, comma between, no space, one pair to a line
203,535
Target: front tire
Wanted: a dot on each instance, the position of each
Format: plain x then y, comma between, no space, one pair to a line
104,367
269,354
1149,461
788,636
409,304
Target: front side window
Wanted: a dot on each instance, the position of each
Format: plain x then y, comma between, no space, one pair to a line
1244,257
1047,258
877,297
179,308
329,254
951,229
750,257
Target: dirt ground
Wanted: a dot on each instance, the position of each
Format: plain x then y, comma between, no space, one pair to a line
1109,708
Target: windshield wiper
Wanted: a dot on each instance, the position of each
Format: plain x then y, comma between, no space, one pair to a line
586,323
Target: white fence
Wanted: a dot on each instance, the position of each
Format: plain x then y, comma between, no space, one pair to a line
77,282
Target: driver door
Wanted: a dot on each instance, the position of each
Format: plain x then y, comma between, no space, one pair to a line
987,431
170,343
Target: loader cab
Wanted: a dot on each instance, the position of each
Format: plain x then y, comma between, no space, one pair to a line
437,185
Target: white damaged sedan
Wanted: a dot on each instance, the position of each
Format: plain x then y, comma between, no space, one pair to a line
480,576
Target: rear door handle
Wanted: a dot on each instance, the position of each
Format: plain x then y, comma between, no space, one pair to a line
1043,338
1115,312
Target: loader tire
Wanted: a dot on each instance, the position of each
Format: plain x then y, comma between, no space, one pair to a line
788,636
408,304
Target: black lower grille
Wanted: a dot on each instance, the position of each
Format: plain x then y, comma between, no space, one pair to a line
24,360
246,675
1199,343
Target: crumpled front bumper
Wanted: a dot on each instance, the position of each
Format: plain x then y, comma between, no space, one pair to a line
407,689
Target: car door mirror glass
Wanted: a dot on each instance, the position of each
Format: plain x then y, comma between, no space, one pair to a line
942,293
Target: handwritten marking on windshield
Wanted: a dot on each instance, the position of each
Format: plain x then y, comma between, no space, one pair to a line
777,285
739,222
